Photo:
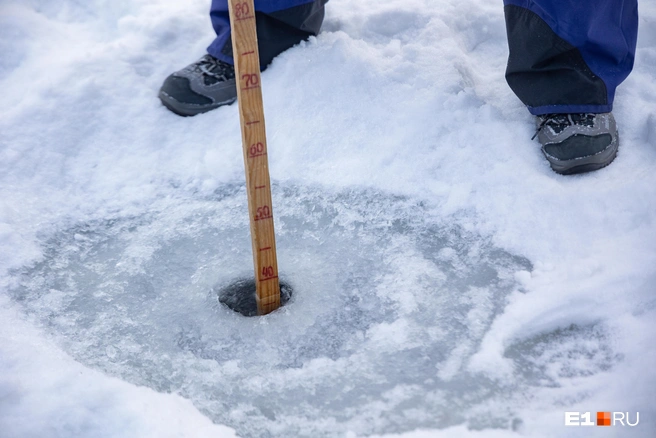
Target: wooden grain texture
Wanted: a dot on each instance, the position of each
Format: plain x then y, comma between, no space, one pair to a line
253,133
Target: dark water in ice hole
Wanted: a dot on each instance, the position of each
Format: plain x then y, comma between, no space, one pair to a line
388,304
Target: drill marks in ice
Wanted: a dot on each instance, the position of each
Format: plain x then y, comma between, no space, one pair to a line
548,358
389,304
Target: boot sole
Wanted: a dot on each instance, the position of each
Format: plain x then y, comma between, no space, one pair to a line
584,164
188,109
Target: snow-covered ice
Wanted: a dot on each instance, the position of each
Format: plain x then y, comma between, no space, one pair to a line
447,282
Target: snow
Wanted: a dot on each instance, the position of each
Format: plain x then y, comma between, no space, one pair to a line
447,282
46,393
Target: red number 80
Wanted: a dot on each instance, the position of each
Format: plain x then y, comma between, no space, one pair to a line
241,9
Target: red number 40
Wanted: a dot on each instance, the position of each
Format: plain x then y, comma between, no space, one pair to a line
267,271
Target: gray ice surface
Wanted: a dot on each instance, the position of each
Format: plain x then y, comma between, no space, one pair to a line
388,305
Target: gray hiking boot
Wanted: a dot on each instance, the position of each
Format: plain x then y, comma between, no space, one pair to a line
577,143
202,86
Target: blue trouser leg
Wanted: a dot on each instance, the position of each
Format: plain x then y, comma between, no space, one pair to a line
568,56
280,25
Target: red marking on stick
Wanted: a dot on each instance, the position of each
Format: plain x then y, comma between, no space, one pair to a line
262,218
257,155
268,278
252,123
244,18
250,88
265,249
248,53
260,187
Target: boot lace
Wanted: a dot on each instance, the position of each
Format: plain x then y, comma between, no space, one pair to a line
560,122
214,70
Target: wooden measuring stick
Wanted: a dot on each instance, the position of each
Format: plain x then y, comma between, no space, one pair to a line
253,135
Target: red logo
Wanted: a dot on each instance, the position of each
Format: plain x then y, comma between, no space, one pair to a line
603,418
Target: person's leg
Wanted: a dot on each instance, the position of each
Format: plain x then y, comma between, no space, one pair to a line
567,57
281,24
210,82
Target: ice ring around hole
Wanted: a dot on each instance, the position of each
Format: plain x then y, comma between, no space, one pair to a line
390,303
240,295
